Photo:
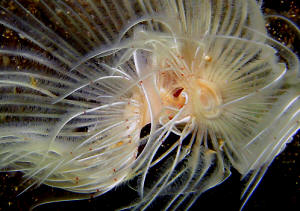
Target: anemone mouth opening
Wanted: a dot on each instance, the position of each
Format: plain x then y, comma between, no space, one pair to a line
206,99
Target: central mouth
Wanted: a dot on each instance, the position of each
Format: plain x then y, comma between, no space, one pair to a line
179,83
206,99
201,98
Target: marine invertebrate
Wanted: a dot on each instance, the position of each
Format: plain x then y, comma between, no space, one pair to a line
78,130
219,72
204,70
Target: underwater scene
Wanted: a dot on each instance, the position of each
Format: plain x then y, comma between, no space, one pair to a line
149,104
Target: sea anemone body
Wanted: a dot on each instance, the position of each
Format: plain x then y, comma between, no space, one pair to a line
78,130
205,71
223,91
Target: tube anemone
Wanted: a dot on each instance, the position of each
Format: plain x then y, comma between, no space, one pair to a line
217,90
224,92
79,129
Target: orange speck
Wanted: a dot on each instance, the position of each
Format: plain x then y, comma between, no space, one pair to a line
207,58
120,143
220,141
33,81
